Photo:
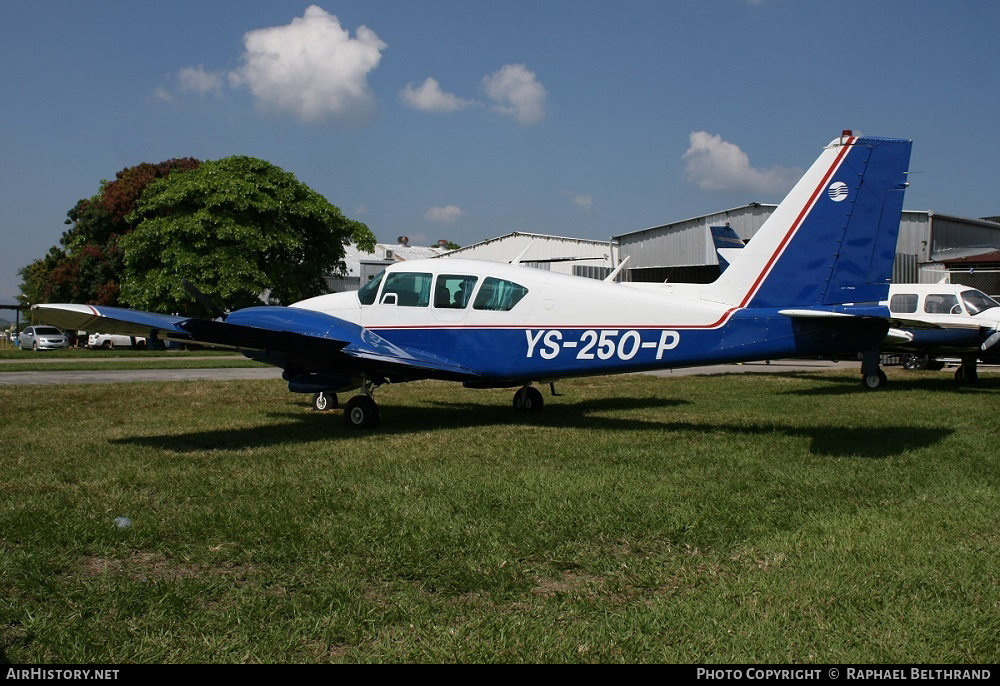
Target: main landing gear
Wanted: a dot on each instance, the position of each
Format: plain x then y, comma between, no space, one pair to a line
528,399
872,376
362,412
966,374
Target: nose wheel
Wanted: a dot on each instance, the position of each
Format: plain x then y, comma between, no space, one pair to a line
324,401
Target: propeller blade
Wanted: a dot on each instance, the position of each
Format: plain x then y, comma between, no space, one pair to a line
203,299
991,341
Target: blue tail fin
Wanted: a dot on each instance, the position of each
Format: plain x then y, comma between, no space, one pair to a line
833,239
726,240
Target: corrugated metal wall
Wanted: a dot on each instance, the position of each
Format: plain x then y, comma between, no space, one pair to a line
506,248
688,243
953,234
923,237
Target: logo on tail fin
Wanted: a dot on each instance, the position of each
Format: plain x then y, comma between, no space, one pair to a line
837,191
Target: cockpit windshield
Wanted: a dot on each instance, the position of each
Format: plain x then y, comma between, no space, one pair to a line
368,292
977,301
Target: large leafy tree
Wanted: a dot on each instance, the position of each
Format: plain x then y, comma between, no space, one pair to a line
237,228
87,267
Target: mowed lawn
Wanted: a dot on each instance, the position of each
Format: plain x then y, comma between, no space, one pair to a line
782,518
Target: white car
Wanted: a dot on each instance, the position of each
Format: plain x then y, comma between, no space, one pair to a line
111,340
43,338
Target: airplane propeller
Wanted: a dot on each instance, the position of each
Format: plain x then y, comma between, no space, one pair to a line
203,299
992,339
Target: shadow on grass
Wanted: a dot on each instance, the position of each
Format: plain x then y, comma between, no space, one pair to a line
309,427
943,382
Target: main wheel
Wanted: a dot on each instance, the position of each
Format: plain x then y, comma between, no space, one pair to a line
966,375
874,381
361,413
324,401
528,399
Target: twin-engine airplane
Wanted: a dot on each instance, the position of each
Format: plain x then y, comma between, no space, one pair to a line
809,283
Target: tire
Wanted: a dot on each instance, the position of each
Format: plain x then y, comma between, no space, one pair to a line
324,401
966,377
528,399
361,413
107,344
915,362
873,382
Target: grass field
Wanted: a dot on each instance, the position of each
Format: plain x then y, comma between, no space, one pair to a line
743,518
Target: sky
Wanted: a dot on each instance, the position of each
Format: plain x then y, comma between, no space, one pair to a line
466,120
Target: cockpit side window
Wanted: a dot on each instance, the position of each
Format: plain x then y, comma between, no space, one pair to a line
412,289
453,291
368,292
903,302
977,301
942,303
498,295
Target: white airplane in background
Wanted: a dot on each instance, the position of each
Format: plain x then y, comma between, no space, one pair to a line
945,320
809,283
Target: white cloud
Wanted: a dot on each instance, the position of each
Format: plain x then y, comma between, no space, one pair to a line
312,69
161,94
584,202
446,214
517,92
429,97
197,80
717,165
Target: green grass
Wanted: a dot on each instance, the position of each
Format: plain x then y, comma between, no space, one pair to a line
743,518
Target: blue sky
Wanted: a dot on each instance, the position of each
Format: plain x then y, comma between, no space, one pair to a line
467,120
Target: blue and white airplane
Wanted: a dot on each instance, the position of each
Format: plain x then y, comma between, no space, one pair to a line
809,283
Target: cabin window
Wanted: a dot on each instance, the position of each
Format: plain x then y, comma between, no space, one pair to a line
368,292
453,291
903,302
412,289
977,301
942,303
499,295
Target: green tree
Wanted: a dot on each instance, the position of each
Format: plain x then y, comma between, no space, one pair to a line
88,266
236,228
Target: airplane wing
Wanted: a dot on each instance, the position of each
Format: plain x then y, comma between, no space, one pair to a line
310,338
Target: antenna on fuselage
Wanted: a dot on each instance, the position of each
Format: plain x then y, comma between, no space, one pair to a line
517,260
611,277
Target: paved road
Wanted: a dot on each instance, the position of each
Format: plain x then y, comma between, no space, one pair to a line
130,375
127,376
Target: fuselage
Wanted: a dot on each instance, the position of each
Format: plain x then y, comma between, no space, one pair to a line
512,323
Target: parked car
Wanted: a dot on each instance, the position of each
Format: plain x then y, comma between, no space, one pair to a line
43,338
113,340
